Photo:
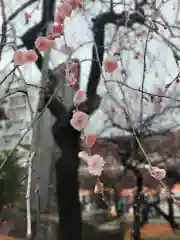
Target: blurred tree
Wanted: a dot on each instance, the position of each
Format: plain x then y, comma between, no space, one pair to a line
10,174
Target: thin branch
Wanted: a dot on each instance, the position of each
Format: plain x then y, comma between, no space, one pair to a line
3,28
28,206
144,92
13,70
20,9
144,75
31,125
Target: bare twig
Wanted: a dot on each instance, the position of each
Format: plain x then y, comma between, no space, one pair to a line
3,27
28,206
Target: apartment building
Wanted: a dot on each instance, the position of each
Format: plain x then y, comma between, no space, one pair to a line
17,112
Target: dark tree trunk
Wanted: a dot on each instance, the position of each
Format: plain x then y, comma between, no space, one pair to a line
67,187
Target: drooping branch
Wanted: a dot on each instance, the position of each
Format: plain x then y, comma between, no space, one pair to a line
3,28
23,6
99,23
29,38
168,217
138,192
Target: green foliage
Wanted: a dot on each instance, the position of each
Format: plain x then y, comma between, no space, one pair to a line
10,174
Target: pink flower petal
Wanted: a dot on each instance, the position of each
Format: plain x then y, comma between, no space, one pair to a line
83,155
65,9
95,164
79,120
99,187
43,43
79,97
90,139
110,64
56,28
19,58
59,17
31,56
158,173
112,211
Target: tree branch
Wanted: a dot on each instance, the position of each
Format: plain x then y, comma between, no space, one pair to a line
25,5
122,19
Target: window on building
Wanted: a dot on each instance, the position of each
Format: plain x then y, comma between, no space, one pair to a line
17,113
17,100
4,101
26,139
7,141
13,115
2,114
12,136
8,125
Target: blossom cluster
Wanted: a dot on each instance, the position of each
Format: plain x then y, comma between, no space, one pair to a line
79,119
43,43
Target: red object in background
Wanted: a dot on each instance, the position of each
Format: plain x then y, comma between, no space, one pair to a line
178,22
75,69
27,15
138,54
3,115
178,80
91,139
138,34
57,28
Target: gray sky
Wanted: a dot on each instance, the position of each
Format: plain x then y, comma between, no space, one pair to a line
161,67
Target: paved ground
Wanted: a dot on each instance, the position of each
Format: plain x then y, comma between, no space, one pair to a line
5,228
94,221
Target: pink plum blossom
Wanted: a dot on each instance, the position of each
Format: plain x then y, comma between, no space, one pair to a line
70,65
75,3
79,120
27,15
83,155
75,68
56,28
99,187
79,97
158,173
22,57
71,73
43,43
59,17
112,211
65,9
110,64
95,164
19,58
90,139
72,81
31,56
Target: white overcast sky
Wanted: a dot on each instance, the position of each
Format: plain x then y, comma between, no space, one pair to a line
161,67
